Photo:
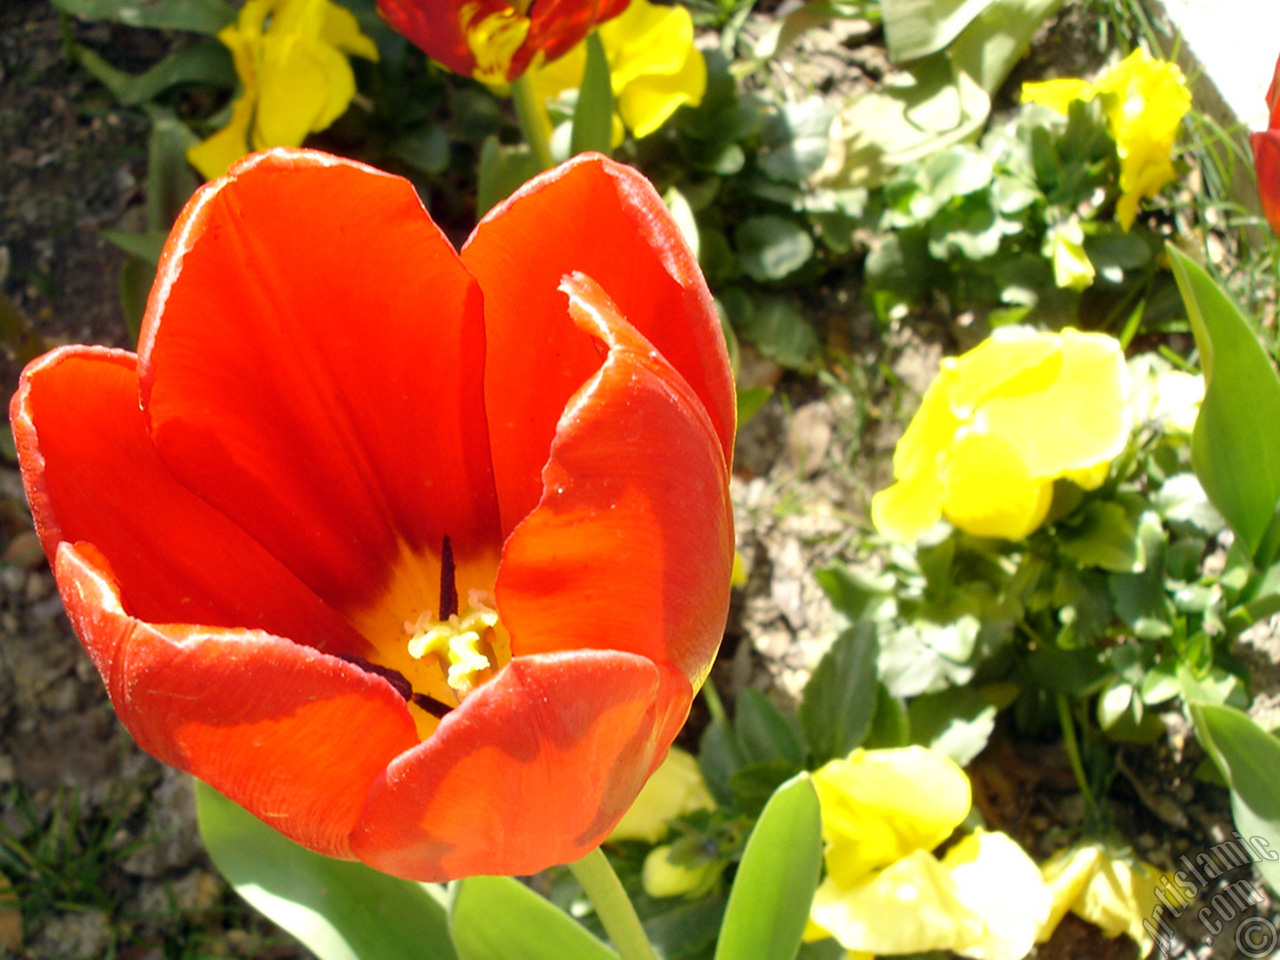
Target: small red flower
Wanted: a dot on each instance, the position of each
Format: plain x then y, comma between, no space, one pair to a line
1266,156
497,40
418,556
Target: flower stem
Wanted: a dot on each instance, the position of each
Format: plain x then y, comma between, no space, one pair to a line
531,125
1068,724
613,907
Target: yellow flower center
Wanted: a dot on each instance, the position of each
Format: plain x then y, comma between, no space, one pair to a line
462,643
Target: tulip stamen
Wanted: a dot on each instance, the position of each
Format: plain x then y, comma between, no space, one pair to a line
459,641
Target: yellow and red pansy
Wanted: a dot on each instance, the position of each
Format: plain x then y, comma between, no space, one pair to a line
495,41
417,555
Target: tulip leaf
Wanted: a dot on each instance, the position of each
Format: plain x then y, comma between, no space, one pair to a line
1249,757
339,910
769,903
593,116
498,918
1238,466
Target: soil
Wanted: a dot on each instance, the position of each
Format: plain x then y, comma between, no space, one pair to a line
73,163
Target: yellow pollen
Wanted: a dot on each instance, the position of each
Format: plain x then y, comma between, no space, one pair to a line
460,641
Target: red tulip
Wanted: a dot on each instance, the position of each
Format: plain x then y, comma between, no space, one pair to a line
496,40
336,433
1266,156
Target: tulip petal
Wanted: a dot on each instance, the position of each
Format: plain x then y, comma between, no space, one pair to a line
290,734
376,443
631,546
605,220
556,26
91,475
1266,158
532,770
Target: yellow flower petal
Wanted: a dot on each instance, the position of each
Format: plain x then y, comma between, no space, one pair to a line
1075,417
910,906
215,154
999,425
1072,267
676,788
1114,893
904,511
1057,94
880,805
1002,886
989,491
290,56
662,877
653,64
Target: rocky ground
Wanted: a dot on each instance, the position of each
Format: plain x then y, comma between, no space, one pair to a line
110,833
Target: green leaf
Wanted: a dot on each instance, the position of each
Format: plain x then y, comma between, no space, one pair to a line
424,148
769,903
750,400
764,732
1103,536
503,169
840,697
170,178
593,116
777,326
795,140
1249,757
957,722
1238,465
499,918
196,16
771,248
339,910
145,246
206,62
916,28
720,757
136,278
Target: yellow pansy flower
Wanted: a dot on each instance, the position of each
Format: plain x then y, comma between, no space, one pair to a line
999,425
291,57
654,67
676,788
1115,893
1144,100
885,892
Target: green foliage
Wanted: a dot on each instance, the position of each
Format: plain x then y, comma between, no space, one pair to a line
769,903
989,226
340,910
499,918
1239,468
